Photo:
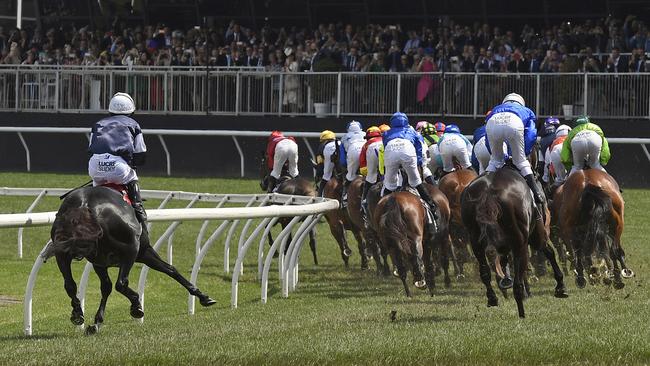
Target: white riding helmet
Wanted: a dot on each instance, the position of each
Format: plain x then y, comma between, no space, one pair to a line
121,103
562,130
514,97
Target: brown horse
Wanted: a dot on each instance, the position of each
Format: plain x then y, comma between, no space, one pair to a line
591,219
453,185
294,186
339,221
369,241
497,209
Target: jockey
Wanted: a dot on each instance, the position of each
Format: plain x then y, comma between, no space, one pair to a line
117,147
349,151
325,159
384,127
280,150
403,149
440,128
452,145
480,153
547,137
434,159
513,123
369,163
553,157
586,142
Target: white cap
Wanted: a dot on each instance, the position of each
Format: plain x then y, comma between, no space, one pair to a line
562,130
514,97
121,103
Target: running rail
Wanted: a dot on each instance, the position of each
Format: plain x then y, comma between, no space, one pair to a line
301,208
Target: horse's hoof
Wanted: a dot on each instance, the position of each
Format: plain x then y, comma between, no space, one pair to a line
365,266
492,301
395,273
137,312
506,283
581,282
618,285
422,284
460,277
607,281
561,293
627,273
77,319
447,282
347,252
533,279
207,301
92,329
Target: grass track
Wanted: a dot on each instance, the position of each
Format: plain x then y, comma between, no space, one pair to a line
336,316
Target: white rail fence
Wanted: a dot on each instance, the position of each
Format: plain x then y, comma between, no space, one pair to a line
234,134
262,210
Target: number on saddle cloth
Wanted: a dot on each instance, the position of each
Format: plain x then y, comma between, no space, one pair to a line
121,189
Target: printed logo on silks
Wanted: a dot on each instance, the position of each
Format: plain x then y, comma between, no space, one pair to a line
106,166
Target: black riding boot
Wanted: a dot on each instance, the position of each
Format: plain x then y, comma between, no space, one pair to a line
321,187
133,191
424,194
364,202
271,185
540,199
430,180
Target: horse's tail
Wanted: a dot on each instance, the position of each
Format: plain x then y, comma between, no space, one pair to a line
595,209
488,212
75,231
393,224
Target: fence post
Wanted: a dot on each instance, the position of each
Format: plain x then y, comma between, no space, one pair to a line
17,89
57,79
537,92
338,94
280,94
165,89
475,95
237,98
399,91
586,96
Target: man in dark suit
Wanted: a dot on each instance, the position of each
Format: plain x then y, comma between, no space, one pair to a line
518,64
351,59
616,62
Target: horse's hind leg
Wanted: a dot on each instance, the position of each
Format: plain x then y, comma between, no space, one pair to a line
149,257
64,261
560,288
401,270
429,270
520,267
122,286
485,271
312,244
106,287
362,249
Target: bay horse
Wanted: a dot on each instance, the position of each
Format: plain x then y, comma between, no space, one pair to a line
98,224
497,209
591,219
452,185
293,186
369,240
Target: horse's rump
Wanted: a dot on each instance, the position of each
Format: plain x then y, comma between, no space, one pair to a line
75,231
393,225
488,212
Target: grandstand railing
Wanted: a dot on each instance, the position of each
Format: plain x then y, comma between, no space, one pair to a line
249,91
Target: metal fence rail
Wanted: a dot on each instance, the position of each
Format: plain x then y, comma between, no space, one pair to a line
248,92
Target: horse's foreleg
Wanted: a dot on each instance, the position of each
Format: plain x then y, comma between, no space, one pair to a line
64,261
581,282
106,288
560,288
444,259
312,244
122,286
429,270
149,257
362,249
401,269
338,232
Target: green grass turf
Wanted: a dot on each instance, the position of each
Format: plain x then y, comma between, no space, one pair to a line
336,316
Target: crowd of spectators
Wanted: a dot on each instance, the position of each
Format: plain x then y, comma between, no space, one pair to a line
592,46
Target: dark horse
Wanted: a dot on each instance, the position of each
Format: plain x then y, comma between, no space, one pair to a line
294,186
369,240
96,223
591,219
497,209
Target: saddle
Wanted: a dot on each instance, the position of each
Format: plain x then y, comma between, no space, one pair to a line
121,189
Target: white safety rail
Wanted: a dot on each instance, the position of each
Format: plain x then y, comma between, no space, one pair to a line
265,208
234,134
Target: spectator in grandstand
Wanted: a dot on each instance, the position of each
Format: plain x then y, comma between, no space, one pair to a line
616,62
518,63
638,61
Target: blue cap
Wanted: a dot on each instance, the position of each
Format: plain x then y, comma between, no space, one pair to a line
452,129
398,120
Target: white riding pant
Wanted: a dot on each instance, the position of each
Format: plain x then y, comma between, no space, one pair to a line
328,165
507,127
107,168
586,145
453,146
553,159
435,160
400,153
483,155
285,151
426,172
372,161
353,152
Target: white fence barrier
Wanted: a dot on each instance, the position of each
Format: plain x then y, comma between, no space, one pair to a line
268,207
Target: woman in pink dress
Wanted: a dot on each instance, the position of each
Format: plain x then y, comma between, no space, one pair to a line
425,85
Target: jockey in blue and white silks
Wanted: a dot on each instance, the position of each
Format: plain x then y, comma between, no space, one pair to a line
513,123
403,148
480,153
452,145
349,150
